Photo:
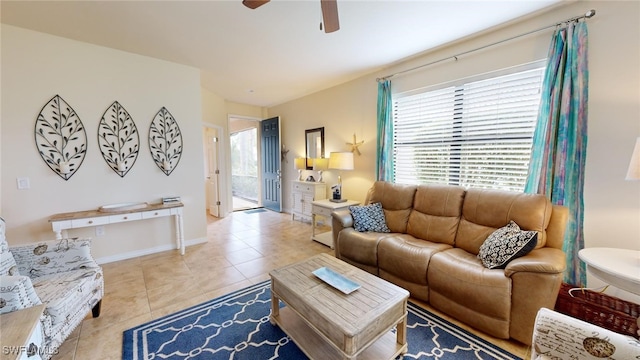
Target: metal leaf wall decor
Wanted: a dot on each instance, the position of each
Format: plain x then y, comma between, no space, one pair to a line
118,139
165,141
60,137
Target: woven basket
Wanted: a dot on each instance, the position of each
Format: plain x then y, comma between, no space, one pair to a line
600,309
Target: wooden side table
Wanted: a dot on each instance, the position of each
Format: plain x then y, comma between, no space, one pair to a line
21,334
324,208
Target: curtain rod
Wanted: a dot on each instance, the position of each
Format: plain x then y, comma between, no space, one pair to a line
589,14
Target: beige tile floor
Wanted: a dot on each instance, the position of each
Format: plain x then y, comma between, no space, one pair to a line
240,251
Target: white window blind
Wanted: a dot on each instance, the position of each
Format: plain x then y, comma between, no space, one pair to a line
477,134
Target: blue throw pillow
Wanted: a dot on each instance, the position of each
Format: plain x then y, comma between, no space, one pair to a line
369,218
506,244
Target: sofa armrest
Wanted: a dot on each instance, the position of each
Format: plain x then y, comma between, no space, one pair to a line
16,293
344,218
54,256
340,220
544,260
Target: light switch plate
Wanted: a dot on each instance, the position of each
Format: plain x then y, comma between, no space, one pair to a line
23,183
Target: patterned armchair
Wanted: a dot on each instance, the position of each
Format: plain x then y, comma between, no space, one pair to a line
61,274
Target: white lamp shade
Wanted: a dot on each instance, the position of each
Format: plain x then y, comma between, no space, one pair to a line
341,160
320,164
300,163
633,172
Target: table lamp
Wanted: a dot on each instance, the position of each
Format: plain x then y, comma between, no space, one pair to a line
300,164
340,161
633,172
320,165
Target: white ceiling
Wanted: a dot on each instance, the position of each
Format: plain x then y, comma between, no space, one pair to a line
277,52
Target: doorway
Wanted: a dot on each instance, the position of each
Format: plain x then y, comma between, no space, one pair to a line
245,168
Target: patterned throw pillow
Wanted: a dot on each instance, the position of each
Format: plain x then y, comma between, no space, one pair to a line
506,244
369,218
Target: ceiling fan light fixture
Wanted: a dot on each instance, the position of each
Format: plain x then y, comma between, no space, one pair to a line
254,4
330,21
330,15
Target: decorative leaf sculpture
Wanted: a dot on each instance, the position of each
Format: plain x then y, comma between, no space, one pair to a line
118,139
60,137
165,141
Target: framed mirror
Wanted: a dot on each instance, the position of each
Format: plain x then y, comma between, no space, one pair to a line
314,145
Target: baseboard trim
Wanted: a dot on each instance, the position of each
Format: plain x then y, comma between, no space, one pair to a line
149,251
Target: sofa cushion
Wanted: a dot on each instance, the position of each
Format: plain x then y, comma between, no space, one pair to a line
8,264
53,256
505,244
66,293
369,218
436,213
359,247
3,241
407,257
16,293
484,211
397,202
460,286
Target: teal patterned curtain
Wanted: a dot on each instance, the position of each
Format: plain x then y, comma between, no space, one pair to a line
384,147
560,138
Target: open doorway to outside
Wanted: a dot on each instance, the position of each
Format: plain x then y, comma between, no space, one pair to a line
245,169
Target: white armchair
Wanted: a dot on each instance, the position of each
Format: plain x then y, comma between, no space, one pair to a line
61,274
559,336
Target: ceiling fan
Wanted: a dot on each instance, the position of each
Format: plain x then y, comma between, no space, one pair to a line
329,12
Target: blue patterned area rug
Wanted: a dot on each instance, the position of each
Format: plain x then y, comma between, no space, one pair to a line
236,326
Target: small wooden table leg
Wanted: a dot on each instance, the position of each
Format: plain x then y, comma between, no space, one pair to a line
401,333
275,308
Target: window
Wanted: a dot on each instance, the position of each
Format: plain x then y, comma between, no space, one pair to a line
474,134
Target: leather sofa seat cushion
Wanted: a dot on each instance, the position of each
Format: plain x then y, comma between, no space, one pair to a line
362,247
462,287
436,213
407,257
397,202
484,211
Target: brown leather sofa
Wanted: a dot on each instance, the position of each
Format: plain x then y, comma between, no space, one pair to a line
436,233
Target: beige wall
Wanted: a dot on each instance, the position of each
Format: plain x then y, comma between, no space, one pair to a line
37,66
612,205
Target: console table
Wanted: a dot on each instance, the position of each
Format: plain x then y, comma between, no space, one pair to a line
79,219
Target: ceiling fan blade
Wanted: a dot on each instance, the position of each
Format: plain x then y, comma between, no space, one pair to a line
253,4
330,15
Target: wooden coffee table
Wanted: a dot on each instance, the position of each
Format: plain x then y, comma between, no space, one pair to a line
328,324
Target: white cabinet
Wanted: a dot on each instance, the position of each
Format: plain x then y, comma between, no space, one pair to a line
303,193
